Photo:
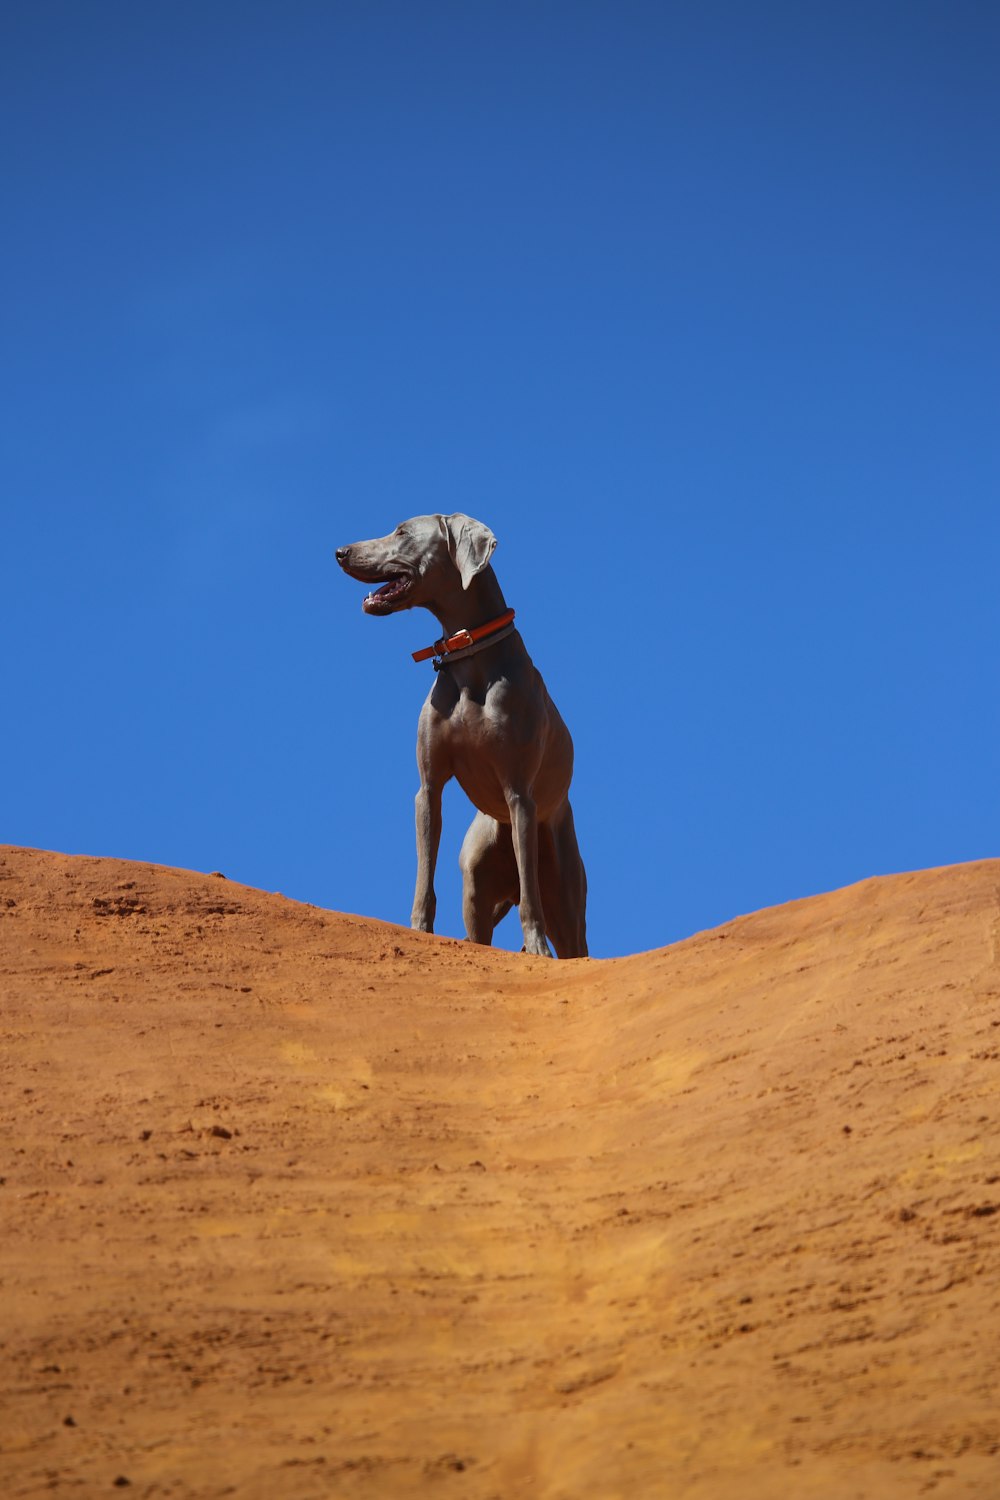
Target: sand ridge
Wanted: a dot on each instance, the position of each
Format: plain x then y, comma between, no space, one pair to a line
304,1204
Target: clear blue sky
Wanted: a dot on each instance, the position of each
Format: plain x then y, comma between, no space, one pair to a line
695,304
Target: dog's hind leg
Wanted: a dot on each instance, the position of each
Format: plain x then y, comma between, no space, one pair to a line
489,877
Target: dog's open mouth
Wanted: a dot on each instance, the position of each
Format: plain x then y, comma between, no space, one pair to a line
380,600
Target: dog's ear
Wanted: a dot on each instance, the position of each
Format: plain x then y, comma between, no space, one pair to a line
470,543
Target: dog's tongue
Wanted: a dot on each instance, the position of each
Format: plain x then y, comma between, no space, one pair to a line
392,587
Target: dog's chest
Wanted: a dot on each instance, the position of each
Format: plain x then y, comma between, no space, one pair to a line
481,737
475,727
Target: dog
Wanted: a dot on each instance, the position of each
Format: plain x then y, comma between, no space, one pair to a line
489,722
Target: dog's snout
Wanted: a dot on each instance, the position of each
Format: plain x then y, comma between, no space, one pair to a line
342,554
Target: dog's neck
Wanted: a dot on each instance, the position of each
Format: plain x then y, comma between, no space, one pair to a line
464,609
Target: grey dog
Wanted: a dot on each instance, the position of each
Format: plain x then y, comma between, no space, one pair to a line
489,721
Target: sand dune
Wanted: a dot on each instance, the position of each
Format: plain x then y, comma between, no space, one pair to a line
297,1204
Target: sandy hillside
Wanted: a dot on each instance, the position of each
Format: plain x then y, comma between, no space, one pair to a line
303,1205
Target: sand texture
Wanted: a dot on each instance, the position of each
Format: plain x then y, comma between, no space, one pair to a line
299,1205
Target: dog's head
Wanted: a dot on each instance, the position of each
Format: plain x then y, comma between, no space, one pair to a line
420,562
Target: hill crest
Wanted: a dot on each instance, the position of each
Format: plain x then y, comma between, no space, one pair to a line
352,1210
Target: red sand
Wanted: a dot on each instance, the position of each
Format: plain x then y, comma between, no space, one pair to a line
303,1205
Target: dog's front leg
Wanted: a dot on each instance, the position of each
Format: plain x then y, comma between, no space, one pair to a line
428,838
524,828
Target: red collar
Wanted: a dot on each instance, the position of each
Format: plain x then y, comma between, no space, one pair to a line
462,639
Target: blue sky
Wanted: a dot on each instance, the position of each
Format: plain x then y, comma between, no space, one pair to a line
695,304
